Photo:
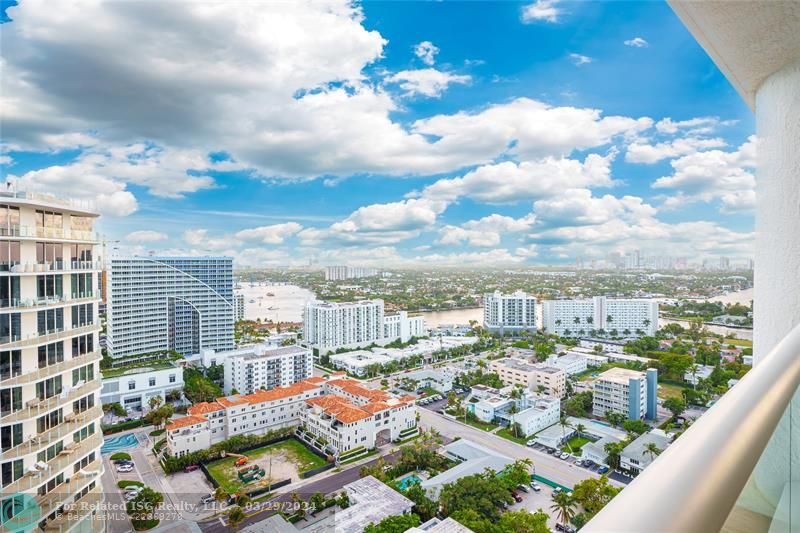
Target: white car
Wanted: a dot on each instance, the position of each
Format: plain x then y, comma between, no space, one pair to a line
531,442
125,468
564,455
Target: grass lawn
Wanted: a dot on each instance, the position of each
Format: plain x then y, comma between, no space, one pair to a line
506,434
224,470
738,342
575,444
668,390
485,426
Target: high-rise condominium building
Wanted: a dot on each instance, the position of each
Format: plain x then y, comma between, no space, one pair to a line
170,303
625,391
340,272
255,367
328,326
590,317
49,361
509,313
239,309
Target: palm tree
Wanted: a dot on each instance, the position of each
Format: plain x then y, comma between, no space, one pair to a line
154,402
564,506
694,370
235,517
609,318
626,332
613,449
590,320
567,332
652,450
577,320
646,322
564,423
580,428
221,494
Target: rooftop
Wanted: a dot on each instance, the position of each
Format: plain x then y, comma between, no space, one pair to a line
475,459
186,421
370,502
620,375
636,448
203,408
340,408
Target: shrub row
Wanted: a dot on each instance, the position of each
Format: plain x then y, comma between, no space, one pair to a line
122,426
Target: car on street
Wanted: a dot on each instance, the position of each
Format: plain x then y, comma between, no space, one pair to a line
531,442
550,451
191,468
535,486
208,498
579,462
564,455
602,470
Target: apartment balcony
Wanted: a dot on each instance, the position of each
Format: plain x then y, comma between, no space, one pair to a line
59,266
48,234
35,339
74,513
72,452
35,408
67,490
52,370
38,304
71,424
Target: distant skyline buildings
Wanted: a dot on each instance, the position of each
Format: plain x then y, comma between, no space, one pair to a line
342,272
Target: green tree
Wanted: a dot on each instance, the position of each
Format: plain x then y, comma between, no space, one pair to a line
594,493
613,449
676,406
343,500
235,517
144,505
394,524
317,502
423,506
154,402
517,473
636,426
564,507
652,450
481,492
221,494
298,505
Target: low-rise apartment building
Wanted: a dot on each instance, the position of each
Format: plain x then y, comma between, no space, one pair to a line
133,388
532,376
342,411
625,391
531,411
257,367
637,455
571,363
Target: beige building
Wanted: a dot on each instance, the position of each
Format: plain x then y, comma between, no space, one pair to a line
516,372
49,359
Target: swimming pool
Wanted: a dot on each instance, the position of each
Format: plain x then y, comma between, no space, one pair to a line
407,481
115,444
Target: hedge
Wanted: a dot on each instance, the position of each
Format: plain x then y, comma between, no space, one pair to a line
157,432
142,525
119,456
123,426
129,483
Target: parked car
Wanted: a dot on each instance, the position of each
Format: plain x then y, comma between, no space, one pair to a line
208,498
556,490
579,462
566,528
602,470
516,496
535,486
563,455
123,462
125,468
191,468
550,451
531,442
523,488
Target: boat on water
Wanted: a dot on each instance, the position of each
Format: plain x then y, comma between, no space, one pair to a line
270,294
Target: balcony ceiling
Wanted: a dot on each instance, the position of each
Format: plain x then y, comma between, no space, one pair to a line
748,40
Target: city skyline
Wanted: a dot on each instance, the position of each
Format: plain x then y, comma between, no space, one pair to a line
384,135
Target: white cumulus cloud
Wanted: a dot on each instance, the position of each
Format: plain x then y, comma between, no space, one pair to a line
427,82
637,42
426,51
546,10
146,236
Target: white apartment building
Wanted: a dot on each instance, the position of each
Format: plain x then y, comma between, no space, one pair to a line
542,413
625,391
340,272
531,376
330,326
358,362
635,457
155,304
256,367
49,359
238,311
509,313
571,363
134,388
402,327
630,318
343,411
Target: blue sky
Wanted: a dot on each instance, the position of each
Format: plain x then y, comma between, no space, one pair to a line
395,134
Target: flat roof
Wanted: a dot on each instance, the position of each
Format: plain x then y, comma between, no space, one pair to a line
621,375
370,502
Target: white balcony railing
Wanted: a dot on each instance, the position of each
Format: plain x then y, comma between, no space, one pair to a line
44,267
34,339
693,486
52,370
36,408
72,422
48,233
15,304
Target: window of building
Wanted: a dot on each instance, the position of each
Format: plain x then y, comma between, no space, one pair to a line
152,382
131,385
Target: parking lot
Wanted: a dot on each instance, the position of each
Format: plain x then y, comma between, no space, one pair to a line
571,459
534,501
